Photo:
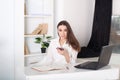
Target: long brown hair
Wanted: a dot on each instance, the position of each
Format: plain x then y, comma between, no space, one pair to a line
71,39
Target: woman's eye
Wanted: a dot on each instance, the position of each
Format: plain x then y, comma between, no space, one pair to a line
60,30
65,30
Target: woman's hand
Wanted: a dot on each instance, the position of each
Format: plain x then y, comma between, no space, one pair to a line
65,53
61,51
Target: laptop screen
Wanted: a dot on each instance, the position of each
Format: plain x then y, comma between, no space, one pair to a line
105,55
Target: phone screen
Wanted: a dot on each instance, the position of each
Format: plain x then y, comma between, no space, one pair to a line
60,48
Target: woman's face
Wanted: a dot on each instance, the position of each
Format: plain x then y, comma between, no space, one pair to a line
62,31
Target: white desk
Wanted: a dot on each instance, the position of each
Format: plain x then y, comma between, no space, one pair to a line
105,73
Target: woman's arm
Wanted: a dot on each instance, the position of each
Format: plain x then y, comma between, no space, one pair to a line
70,54
67,57
73,56
65,54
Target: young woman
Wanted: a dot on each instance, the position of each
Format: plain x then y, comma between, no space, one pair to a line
64,49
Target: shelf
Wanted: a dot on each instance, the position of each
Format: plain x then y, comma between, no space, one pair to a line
37,15
35,54
28,35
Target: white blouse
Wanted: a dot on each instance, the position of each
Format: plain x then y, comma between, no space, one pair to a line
53,57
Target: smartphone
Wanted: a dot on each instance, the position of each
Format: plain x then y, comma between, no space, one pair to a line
60,48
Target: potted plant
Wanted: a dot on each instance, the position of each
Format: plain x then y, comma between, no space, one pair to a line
44,41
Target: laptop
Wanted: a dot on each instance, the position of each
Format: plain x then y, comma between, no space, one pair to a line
103,60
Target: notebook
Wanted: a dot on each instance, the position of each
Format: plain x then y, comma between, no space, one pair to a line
103,60
52,67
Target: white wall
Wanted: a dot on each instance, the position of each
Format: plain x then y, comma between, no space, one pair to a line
6,40
116,7
11,40
19,39
79,13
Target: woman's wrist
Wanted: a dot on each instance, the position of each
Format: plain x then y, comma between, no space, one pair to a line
67,57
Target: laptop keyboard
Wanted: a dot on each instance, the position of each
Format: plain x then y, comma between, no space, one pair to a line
87,65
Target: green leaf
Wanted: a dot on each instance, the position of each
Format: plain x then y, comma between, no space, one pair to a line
48,37
41,40
38,40
46,44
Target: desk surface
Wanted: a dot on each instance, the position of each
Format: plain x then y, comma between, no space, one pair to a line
105,73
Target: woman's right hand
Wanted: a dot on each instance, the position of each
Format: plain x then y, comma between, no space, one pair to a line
65,53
